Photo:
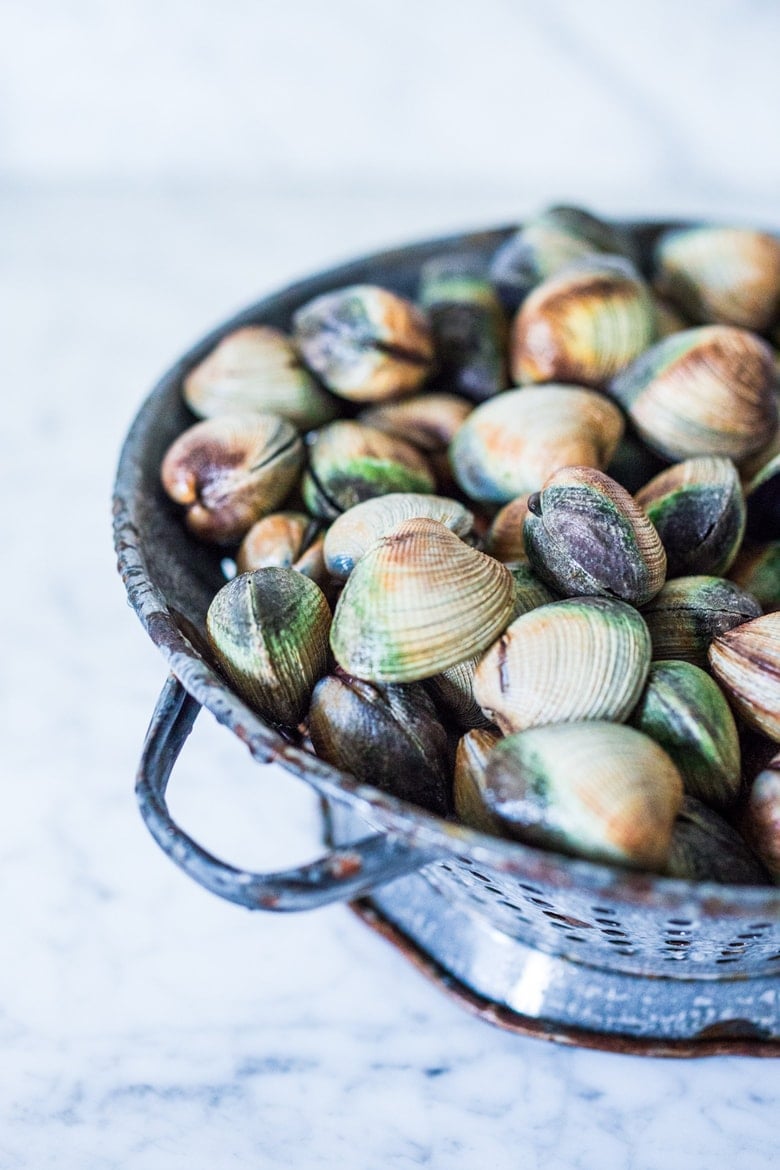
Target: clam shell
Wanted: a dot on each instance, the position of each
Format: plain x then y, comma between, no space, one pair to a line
468,789
427,421
585,535
763,502
574,660
511,444
698,509
633,463
690,611
287,540
668,319
705,848
757,570
598,790
417,602
269,632
582,325
761,822
505,540
257,368
683,710
352,533
706,391
746,662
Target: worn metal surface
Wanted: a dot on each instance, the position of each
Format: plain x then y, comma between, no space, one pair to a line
603,917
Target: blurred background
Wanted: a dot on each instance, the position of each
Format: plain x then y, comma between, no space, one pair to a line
162,164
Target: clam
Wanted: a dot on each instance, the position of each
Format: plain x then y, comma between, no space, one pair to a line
511,444
288,540
365,342
685,711
746,662
705,391
427,421
763,502
633,463
350,463
757,570
547,243
668,319
257,368
468,325
582,325
761,820
698,509
705,848
505,540
388,736
580,659
352,533
269,632
231,470
419,600
585,535
726,274
690,611
597,790
468,789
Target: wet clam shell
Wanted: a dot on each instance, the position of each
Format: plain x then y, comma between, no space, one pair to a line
468,789
757,570
230,470
746,662
269,632
689,612
288,540
505,540
763,502
418,601
698,509
729,275
585,535
352,533
683,710
388,736
511,444
427,421
705,848
365,342
705,391
579,659
582,325
761,821
597,790
257,368
350,463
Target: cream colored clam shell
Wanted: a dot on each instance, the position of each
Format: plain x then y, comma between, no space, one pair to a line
746,662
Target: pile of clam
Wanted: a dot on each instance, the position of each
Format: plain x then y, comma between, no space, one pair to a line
527,571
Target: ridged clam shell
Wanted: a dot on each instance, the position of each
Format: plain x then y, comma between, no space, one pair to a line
352,533
427,421
698,509
705,391
598,790
746,662
511,444
761,822
690,611
417,602
757,570
585,535
269,632
579,659
468,789
582,325
705,848
725,274
257,368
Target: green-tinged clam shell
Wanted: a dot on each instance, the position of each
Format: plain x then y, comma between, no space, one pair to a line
388,736
757,570
365,342
746,662
350,463
586,536
427,421
706,391
547,243
230,470
511,444
685,711
580,659
582,325
257,368
705,848
530,591
468,325
763,502
761,820
468,789
287,540
726,274
598,790
690,611
269,632
698,508
505,540
418,601
361,526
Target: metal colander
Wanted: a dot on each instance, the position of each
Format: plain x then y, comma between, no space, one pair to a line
533,940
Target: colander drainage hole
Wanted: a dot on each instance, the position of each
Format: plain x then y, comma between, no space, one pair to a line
680,922
603,910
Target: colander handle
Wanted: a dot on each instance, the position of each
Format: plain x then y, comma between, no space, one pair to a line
347,872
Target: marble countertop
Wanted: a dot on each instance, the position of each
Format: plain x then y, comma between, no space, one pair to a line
143,1022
